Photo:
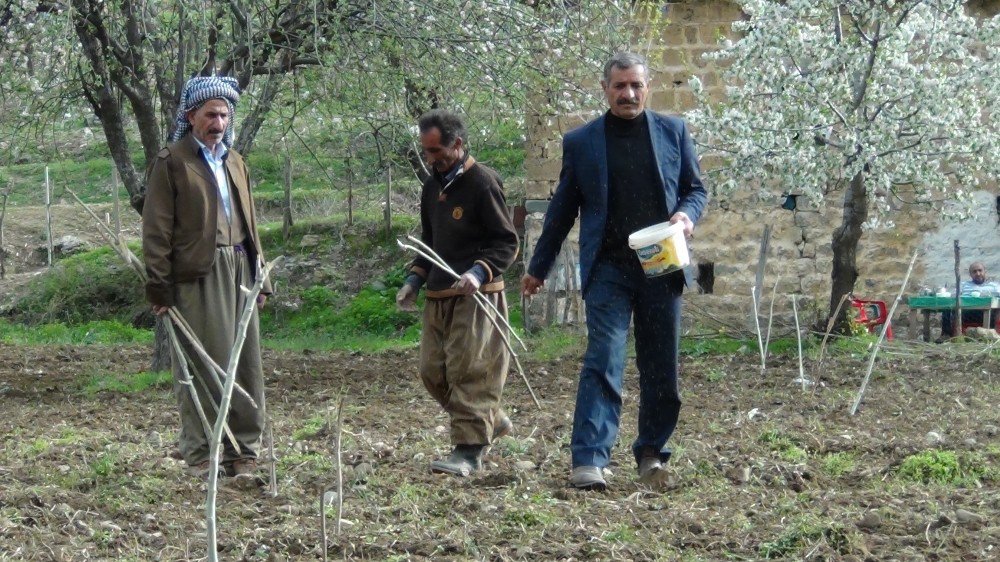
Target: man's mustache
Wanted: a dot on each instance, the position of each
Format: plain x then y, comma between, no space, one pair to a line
628,101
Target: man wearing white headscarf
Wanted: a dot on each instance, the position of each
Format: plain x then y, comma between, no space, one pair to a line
200,242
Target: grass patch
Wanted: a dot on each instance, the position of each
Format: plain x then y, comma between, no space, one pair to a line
623,534
310,429
838,464
102,332
526,518
126,383
555,342
93,285
784,446
947,468
326,319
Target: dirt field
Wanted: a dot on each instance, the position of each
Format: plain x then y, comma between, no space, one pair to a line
761,469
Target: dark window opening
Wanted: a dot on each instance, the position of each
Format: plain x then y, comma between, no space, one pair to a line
706,277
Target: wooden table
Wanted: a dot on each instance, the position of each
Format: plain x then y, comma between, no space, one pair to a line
929,304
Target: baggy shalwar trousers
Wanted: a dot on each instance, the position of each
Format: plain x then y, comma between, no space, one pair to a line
463,364
212,306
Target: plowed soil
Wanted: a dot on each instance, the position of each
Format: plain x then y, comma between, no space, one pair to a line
762,468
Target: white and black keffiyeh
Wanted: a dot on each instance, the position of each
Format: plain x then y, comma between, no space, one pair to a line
199,90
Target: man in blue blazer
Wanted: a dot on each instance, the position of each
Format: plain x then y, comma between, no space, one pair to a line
629,169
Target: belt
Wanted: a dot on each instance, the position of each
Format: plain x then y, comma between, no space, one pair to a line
238,248
494,286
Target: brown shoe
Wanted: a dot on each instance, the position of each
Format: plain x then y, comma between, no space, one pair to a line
241,467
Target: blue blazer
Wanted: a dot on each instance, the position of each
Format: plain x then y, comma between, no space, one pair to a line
583,188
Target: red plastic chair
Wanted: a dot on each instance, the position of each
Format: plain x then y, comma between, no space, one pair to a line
872,314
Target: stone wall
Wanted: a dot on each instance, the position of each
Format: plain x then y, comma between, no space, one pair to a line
727,240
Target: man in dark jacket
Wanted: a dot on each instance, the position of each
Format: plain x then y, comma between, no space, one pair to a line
629,169
463,360
200,242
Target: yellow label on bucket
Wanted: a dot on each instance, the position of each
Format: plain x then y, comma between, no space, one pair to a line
657,259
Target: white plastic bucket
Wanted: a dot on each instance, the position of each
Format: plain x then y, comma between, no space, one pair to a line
661,248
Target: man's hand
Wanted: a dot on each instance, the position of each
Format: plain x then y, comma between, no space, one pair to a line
261,299
681,217
406,299
467,284
160,310
530,285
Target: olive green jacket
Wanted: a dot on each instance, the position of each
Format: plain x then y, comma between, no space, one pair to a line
179,218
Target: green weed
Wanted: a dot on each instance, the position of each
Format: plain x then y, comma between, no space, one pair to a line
104,465
944,467
803,534
715,375
526,518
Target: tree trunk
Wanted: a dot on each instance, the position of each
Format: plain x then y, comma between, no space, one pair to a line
161,347
845,247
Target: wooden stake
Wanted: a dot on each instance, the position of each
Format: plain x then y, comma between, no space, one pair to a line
48,216
881,336
340,463
272,470
756,324
798,338
956,325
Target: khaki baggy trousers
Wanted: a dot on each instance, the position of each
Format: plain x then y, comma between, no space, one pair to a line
463,364
212,305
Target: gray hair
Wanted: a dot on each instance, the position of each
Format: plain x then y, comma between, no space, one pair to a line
624,60
448,122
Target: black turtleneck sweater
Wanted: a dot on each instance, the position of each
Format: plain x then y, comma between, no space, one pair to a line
635,199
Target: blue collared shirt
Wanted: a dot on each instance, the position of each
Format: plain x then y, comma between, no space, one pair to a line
986,289
217,163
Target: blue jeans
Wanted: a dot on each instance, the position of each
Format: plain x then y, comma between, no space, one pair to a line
614,295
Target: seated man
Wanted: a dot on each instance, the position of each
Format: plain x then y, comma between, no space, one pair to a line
978,286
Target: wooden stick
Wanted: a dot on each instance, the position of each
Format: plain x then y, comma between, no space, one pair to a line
187,381
492,319
250,302
798,337
956,325
770,317
756,323
272,470
340,464
829,328
881,336
48,216
439,261
322,520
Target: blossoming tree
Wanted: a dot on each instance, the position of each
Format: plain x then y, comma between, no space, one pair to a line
379,63
885,102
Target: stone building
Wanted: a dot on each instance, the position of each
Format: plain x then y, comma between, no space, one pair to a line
727,241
